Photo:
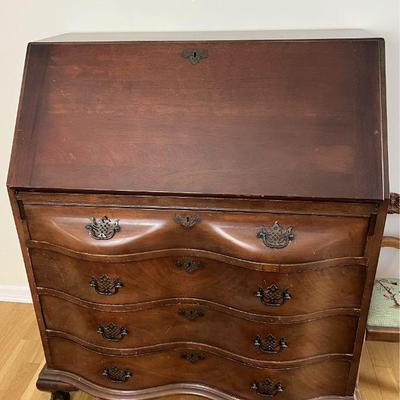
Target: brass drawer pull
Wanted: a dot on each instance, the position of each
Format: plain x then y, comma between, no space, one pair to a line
193,357
267,388
103,228
276,237
191,313
273,296
189,265
105,285
194,56
112,332
117,375
270,344
187,221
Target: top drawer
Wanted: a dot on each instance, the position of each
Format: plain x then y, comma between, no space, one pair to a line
263,237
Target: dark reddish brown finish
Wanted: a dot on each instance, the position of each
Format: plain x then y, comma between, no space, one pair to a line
233,234
276,119
231,377
312,290
165,325
234,204
142,140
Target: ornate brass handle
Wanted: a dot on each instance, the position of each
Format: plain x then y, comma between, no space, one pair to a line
112,332
275,236
273,296
103,228
267,388
117,375
105,285
187,221
270,344
189,265
190,313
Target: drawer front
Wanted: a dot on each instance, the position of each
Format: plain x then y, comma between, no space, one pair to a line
193,323
264,237
268,293
192,366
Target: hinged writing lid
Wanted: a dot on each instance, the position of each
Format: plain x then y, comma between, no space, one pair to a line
280,118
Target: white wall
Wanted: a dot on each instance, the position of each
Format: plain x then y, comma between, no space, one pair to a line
22,21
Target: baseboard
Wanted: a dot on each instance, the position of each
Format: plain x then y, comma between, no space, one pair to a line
15,294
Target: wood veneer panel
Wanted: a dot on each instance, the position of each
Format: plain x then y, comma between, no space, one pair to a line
256,118
151,370
160,280
234,234
163,327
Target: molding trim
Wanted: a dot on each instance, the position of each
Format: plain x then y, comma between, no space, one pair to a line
52,380
15,294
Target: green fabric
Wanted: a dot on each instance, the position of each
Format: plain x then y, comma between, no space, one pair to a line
383,311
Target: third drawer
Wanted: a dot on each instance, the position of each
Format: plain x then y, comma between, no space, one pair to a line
128,331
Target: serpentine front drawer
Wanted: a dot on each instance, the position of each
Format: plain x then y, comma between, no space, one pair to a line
277,290
248,381
271,238
236,335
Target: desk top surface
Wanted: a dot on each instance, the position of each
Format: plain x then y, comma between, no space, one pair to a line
266,118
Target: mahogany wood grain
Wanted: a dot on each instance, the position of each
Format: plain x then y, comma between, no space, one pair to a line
233,234
256,132
256,118
22,235
164,326
159,279
52,378
229,376
372,252
201,203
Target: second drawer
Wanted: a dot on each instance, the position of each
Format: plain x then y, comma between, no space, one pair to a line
293,290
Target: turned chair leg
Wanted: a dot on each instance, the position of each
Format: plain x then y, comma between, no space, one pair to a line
60,396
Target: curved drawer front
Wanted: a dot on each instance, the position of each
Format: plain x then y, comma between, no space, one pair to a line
192,366
193,323
255,236
269,293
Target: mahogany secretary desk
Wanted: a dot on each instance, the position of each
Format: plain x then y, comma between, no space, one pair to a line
201,216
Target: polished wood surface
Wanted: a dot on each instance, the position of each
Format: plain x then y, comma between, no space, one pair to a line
233,234
234,204
256,118
21,357
336,284
228,376
313,288
211,330
172,206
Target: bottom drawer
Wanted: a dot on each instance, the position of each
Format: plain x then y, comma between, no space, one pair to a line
133,373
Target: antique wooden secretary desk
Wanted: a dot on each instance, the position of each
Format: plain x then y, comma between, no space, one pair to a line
201,217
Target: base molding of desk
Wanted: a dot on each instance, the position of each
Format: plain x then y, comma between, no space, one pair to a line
52,380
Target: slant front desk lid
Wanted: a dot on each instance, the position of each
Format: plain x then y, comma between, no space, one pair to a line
254,118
